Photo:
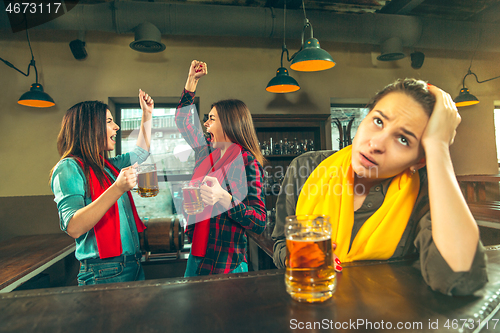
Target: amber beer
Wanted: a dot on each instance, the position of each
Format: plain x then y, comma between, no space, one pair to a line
310,275
147,180
192,199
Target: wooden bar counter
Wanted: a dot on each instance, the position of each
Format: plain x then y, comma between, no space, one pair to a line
23,257
370,296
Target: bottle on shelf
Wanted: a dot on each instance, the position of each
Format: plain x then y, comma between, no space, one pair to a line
311,145
286,147
296,149
277,148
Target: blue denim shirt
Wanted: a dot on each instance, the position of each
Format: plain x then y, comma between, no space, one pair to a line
68,184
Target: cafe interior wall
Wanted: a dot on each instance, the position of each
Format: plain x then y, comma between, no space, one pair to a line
238,68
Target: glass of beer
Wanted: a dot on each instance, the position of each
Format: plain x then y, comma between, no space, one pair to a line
192,197
147,180
310,274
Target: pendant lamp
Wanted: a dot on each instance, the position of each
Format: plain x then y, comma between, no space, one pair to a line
35,97
311,57
282,83
465,98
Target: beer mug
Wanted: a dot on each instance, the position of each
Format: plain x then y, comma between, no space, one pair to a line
147,180
310,274
192,197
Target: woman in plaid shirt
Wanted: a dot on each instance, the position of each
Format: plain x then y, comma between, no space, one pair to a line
229,163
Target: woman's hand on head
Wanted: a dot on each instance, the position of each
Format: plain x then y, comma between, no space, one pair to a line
127,178
147,103
198,69
443,123
211,191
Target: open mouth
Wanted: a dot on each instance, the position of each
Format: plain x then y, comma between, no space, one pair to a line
209,136
113,138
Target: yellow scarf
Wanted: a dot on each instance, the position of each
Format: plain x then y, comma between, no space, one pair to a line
329,191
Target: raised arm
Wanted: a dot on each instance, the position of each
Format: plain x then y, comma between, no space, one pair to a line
191,130
454,230
147,106
196,71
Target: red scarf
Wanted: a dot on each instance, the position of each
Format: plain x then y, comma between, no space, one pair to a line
207,168
107,230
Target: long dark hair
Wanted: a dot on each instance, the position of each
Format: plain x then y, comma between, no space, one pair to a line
83,136
417,89
237,124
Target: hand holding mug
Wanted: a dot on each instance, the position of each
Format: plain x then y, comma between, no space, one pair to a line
211,191
192,202
127,178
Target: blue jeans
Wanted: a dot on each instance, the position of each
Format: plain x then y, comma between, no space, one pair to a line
109,272
193,263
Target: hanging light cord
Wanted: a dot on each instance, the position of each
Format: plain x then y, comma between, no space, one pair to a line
469,72
283,48
306,25
32,62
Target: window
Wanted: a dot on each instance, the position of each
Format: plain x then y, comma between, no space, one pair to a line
168,149
345,122
173,157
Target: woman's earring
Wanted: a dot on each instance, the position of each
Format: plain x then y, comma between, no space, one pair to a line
413,171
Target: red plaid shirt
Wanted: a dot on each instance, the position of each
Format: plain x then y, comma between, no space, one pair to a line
227,240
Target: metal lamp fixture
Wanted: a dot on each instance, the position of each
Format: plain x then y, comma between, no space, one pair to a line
282,82
465,98
35,97
311,57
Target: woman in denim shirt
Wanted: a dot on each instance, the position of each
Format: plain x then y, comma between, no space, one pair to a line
92,192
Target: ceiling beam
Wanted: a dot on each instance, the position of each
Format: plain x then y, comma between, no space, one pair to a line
400,7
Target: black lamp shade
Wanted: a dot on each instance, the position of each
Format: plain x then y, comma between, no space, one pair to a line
36,97
312,58
282,82
465,98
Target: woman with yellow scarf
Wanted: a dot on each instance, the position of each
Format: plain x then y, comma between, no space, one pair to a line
392,193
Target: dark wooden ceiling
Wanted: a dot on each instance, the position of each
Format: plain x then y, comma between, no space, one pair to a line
456,10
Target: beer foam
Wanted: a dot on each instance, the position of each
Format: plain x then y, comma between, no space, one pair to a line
308,237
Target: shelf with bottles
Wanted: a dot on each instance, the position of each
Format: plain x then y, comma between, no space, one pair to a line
282,148
315,129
